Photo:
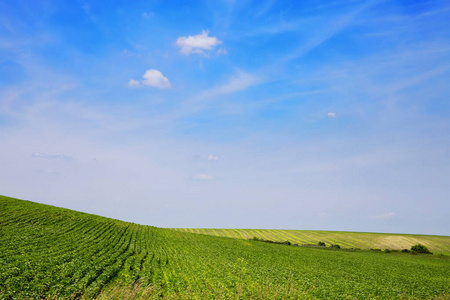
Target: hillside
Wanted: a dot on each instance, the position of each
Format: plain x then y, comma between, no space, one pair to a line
361,240
48,252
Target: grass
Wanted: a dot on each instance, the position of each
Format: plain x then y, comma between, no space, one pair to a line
361,240
50,253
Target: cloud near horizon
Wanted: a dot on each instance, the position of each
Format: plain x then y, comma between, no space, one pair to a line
202,176
388,215
51,156
197,43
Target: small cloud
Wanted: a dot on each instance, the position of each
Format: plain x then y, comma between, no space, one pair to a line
153,78
50,156
213,157
133,83
147,15
222,51
332,115
384,216
203,177
197,43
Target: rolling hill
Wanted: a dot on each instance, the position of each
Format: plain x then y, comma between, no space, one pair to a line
48,252
360,240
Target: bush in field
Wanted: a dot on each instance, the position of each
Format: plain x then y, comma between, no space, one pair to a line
335,246
419,248
321,244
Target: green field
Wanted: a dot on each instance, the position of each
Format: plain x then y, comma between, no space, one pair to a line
48,252
361,240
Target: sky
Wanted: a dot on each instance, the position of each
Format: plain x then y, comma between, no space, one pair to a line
315,115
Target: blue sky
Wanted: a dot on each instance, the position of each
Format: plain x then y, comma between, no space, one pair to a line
328,115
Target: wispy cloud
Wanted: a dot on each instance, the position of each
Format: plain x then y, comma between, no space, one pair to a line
49,172
388,215
51,156
197,43
213,157
222,51
324,33
147,15
238,82
202,176
87,9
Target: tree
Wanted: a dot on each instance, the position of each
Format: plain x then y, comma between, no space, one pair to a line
419,248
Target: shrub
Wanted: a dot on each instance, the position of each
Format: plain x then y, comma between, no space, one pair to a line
287,243
419,248
321,244
335,246
405,250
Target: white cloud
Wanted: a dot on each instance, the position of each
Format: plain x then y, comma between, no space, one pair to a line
156,79
153,78
202,176
133,83
332,115
213,157
384,216
197,43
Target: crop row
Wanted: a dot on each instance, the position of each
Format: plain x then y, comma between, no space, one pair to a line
47,251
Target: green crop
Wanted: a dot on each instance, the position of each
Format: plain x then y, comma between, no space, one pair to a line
49,252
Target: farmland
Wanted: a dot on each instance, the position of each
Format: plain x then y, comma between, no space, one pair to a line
361,240
49,252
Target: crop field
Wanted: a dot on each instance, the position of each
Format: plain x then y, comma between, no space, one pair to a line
361,240
51,253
